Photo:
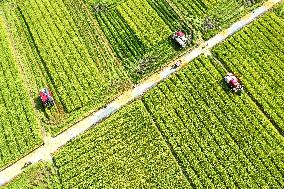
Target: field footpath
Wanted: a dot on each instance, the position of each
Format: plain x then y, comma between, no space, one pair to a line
51,145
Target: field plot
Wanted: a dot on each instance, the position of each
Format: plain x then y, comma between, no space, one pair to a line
256,54
41,175
221,139
67,53
19,129
125,151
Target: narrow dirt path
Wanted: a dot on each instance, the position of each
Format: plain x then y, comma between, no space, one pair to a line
53,144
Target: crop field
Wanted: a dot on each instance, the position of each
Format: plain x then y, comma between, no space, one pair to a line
256,54
87,53
188,131
220,139
19,128
125,151
209,16
57,54
139,32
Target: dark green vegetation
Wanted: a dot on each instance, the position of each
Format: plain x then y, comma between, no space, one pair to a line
41,176
280,10
19,128
125,151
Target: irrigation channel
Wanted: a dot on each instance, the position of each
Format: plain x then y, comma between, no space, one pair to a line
51,145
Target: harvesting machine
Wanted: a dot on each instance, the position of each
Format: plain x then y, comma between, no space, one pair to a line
46,98
233,82
180,38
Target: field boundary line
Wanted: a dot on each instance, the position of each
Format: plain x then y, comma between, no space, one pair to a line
53,144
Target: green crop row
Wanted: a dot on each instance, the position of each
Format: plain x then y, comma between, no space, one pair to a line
122,38
138,58
19,129
256,54
125,151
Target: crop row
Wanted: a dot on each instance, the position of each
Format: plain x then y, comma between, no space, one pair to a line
19,129
122,38
256,54
124,151
220,139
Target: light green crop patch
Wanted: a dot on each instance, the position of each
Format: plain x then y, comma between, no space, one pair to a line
144,21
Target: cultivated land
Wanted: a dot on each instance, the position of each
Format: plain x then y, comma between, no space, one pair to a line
57,52
220,139
19,128
141,41
87,55
190,131
256,55
125,151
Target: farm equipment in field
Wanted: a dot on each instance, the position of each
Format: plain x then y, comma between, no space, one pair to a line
46,98
233,82
180,38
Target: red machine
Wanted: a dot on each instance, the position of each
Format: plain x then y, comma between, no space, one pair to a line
46,98
180,38
233,83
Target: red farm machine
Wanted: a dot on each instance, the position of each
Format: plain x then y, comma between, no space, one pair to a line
46,98
180,38
233,82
